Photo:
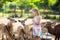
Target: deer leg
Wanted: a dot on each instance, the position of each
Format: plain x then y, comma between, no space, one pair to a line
38,38
55,38
2,37
58,38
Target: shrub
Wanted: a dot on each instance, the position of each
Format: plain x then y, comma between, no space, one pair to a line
59,17
30,16
47,17
54,17
51,17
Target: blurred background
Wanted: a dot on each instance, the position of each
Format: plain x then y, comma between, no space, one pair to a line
22,8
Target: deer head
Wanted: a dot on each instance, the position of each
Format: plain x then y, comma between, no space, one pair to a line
50,24
12,20
23,21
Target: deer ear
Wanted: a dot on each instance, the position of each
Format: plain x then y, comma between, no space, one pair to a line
25,19
8,18
47,24
11,19
54,23
19,20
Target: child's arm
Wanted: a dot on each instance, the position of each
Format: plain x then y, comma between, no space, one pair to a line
42,23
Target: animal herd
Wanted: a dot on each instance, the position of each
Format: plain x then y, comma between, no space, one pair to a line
12,29
15,29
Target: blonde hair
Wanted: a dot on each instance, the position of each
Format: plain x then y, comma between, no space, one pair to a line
35,10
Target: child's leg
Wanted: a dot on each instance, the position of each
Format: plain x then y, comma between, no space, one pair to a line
38,38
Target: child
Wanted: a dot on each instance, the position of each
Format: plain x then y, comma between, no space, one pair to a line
36,24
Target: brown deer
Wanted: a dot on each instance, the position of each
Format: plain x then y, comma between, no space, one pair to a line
15,28
12,26
5,29
27,30
53,29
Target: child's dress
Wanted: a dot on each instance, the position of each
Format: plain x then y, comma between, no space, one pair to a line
37,30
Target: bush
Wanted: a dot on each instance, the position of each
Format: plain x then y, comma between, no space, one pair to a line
30,16
59,17
12,15
50,17
54,17
47,17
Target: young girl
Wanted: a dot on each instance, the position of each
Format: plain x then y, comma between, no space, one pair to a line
36,24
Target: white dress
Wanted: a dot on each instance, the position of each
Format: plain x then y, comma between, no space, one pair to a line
37,29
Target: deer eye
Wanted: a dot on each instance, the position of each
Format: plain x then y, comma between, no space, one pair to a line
19,20
15,21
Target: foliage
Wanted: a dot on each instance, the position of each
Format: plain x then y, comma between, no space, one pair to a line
47,17
53,17
34,3
26,5
51,2
59,17
30,16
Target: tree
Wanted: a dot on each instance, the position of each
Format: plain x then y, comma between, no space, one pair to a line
1,9
56,6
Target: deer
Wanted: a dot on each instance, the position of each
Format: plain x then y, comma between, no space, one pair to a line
5,29
53,29
27,30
